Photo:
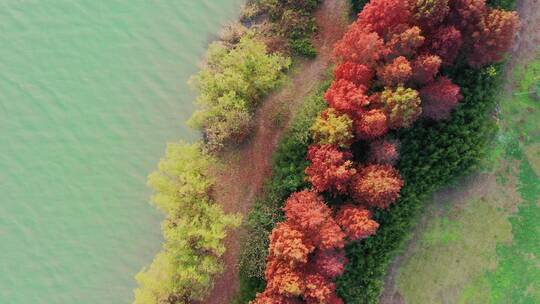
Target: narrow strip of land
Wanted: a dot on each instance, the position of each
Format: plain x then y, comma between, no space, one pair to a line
246,168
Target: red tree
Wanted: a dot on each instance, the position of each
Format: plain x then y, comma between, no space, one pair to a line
289,244
346,97
356,221
493,37
329,263
445,43
318,289
307,211
425,68
268,297
383,151
330,236
439,98
371,124
383,15
282,279
429,13
376,185
405,42
359,74
360,45
466,14
396,72
330,169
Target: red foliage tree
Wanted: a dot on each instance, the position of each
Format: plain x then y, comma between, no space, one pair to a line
346,97
493,37
439,98
329,263
425,68
330,169
318,289
396,72
359,74
466,14
268,297
383,15
376,185
356,221
371,124
445,42
307,211
360,45
429,13
383,151
330,236
283,279
406,42
289,244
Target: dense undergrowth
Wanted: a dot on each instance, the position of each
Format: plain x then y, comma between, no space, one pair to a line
432,155
247,63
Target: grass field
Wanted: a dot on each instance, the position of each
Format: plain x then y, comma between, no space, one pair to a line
481,243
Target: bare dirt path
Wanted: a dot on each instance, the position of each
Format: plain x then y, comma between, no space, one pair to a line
242,177
477,185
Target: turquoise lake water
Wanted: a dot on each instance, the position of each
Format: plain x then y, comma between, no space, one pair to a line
90,92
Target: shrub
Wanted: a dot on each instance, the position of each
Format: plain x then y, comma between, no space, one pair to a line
303,47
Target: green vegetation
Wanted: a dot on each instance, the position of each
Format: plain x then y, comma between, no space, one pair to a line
358,5
507,270
292,21
455,247
194,229
289,163
231,87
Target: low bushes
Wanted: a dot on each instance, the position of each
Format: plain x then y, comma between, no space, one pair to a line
231,86
292,20
193,230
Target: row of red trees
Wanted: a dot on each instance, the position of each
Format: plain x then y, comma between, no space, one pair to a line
388,76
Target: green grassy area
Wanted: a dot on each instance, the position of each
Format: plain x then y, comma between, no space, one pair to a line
485,247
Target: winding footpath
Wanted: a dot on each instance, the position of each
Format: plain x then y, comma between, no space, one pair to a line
241,178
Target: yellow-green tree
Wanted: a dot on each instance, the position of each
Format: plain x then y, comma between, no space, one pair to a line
194,229
332,128
231,86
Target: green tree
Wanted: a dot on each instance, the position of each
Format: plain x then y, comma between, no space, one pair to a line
194,229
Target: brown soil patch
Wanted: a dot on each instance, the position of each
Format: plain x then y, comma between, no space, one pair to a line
478,185
245,169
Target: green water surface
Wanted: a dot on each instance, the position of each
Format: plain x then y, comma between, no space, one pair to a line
90,92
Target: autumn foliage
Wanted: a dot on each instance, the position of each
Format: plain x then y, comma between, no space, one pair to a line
330,169
306,253
383,151
356,221
390,71
439,98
